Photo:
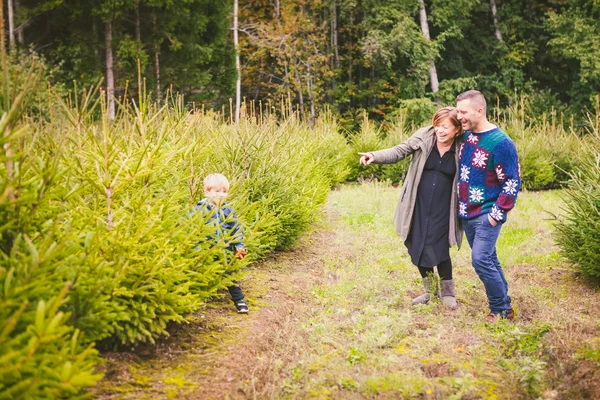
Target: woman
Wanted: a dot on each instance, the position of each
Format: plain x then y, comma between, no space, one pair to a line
426,217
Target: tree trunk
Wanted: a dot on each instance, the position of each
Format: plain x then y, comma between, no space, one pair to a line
494,12
20,35
238,83
286,81
425,28
334,35
110,79
138,34
157,63
11,25
277,10
311,96
157,71
300,94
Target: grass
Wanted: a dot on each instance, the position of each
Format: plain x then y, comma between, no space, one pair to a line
365,339
333,319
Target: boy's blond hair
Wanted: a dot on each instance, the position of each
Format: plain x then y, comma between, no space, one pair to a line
216,181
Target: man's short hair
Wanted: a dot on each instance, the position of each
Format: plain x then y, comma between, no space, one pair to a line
216,181
475,97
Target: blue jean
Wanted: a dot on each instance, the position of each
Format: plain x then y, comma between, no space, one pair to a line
482,237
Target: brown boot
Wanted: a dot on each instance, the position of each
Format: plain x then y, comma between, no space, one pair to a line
508,315
449,294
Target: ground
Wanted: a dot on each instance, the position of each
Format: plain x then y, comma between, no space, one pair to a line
332,319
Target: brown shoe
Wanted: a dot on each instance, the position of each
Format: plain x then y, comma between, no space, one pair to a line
510,315
491,318
506,314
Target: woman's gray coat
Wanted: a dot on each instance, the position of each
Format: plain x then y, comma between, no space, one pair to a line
419,145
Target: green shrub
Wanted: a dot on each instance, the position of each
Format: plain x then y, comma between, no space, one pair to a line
548,150
547,155
98,240
370,139
578,234
43,360
418,111
537,169
40,354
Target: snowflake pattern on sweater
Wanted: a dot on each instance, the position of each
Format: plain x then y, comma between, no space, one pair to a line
489,179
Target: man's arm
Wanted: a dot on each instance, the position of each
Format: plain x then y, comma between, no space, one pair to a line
508,171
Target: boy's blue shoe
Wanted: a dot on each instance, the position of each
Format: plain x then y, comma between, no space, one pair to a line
242,307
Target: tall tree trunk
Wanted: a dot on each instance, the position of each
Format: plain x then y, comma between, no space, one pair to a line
138,34
277,10
286,80
157,71
425,28
11,25
110,79
336,54
311,96
20,35
494,12
334,34
157,62
300,94
238,83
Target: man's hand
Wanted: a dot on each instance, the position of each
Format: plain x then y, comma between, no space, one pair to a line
240,254
366,158
493,222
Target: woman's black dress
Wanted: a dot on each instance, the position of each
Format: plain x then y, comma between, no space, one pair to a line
427,241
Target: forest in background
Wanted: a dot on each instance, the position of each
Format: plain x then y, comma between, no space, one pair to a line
347,55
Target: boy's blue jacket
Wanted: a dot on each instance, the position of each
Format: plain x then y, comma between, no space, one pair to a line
225,222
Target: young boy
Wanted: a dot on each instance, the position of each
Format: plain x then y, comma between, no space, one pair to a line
216,187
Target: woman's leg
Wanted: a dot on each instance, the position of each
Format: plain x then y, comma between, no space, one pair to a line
445,270
425,271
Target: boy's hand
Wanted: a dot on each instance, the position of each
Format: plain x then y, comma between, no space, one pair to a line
366,158
240,254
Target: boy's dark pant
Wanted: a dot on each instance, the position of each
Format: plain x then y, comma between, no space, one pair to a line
236,292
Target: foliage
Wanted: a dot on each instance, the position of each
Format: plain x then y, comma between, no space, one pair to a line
351,56
548,151
369,139
578,233
575,36
41,354
522,348
549,147
98,240
185,44
45,360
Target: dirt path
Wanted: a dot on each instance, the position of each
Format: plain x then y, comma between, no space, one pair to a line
332,319
221,354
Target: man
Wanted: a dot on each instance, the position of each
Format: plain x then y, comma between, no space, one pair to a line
489,181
